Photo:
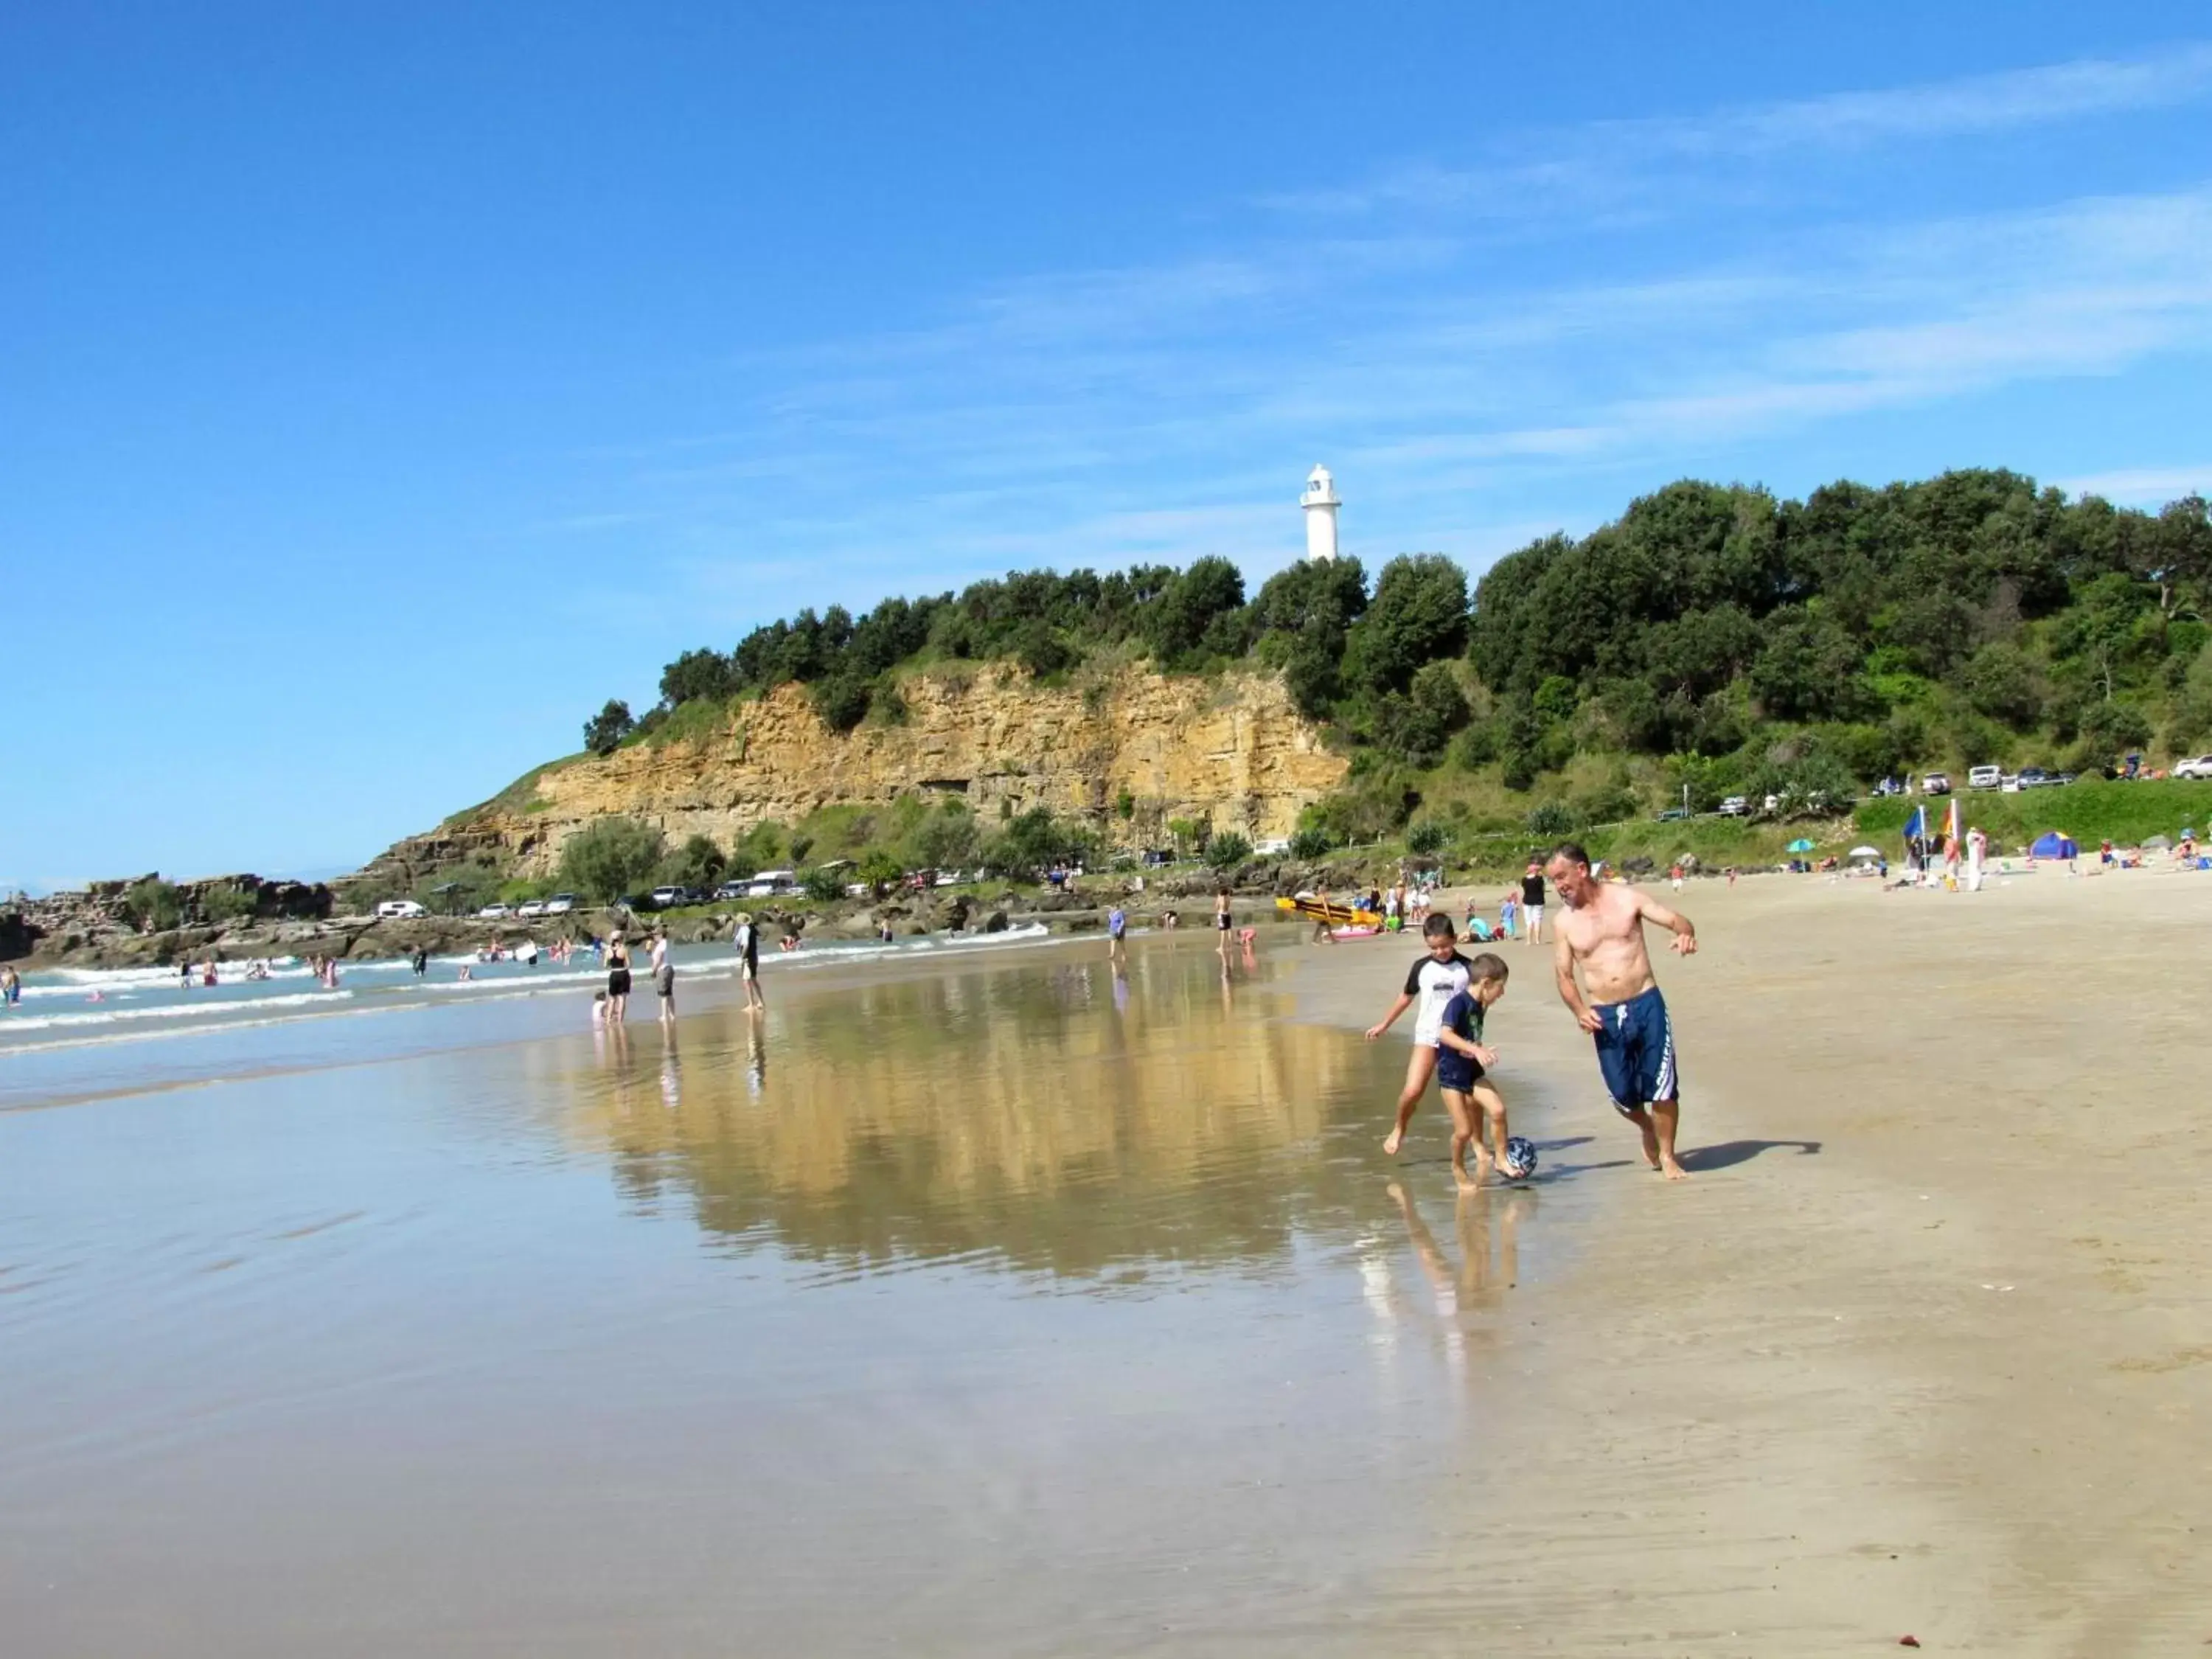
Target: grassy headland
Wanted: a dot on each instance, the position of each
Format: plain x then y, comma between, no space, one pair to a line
1713,641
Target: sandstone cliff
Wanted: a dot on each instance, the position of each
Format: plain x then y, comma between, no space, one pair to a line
1233,750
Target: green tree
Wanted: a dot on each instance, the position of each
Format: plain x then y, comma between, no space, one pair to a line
1186,833
1809,669
1427,839
1418,615
604,731
697,863
1227,850
822,886
841,699
881,869
152,906
945,840
1184,619
1999,682
610,856
1311,841
227,901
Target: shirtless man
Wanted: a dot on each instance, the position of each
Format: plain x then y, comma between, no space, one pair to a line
1600,931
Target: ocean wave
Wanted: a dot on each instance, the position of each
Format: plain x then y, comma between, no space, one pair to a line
204,1010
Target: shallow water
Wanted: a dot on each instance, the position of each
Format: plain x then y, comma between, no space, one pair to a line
999,1303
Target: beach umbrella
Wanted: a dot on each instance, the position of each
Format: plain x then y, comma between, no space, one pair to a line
2158,841
1800,845
1866,852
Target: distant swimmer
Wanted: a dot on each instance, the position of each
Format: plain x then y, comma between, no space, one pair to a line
422,963
1436,978
1600,934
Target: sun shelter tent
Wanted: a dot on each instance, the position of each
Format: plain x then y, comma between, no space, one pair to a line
2052,845
2157,844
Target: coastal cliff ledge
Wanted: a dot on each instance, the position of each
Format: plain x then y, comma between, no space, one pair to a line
1129,750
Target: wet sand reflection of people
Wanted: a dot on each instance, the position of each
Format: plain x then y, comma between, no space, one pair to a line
1463,1289
756,1053
671,1075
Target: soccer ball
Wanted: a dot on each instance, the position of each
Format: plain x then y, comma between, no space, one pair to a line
1519,1160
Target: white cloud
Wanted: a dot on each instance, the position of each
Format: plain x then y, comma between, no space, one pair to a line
2146,486
1612,165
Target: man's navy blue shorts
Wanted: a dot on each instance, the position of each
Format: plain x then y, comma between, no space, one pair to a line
1636,1050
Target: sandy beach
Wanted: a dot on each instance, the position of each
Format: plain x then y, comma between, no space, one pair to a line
1924,1347
1000,1302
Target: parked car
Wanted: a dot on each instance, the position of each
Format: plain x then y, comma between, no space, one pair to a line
1935,783
1158,857
1890,786
2034,777
732,890
559,904
2063,777
494,912
1673,815
1735,806
531,908
2198,766
1273,847
1986,777
399,910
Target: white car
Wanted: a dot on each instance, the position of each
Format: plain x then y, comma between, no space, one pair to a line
559,904
494,912
399,910
1935,783
2200,766
1986,777
1735,806
531,908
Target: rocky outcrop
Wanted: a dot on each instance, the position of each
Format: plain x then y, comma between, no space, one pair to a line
1232,750
102,917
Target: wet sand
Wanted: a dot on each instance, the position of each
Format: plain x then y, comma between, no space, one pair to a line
1014,1307
1925,1344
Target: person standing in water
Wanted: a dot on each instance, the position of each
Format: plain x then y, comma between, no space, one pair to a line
1221,919
747,939
1437,978
664,976
618,980
1117,934
1600,936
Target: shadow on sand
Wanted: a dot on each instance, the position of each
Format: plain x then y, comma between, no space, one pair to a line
1729,1154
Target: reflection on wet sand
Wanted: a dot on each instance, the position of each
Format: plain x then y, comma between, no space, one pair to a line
1060,1114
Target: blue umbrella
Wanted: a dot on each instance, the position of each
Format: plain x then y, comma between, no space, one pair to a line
1800,845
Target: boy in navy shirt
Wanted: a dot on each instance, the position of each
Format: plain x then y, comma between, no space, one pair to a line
1463,1065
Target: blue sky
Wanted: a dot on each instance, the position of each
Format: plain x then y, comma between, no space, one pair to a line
381,388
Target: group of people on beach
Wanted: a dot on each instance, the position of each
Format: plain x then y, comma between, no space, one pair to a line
1602,970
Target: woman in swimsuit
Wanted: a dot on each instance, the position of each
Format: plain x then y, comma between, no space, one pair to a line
1221,919
617,980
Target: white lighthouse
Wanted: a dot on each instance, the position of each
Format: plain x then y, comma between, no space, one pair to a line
1321,503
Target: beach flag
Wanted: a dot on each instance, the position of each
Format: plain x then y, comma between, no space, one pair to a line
1951,821
1916,827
